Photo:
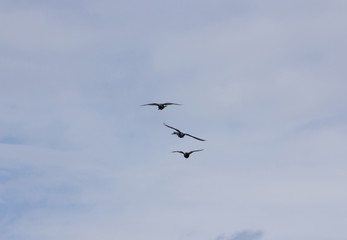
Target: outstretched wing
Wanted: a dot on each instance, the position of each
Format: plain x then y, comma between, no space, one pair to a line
150,104
177,152
195,151
172,127
195,137
171,103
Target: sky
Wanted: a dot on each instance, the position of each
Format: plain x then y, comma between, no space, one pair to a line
264,82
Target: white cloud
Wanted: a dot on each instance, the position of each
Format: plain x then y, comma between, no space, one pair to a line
264,85
244,235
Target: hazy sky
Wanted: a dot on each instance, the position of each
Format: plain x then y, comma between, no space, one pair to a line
263,81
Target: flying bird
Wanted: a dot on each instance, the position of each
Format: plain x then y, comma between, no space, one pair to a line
160,106
181,134
186,154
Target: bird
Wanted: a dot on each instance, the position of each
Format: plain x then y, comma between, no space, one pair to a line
181,134
186,154
160,106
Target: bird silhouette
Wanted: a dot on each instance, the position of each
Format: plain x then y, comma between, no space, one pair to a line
181,134
160,106
187,154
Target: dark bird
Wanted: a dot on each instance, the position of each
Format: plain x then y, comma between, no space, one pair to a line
181,134
160,106
186,154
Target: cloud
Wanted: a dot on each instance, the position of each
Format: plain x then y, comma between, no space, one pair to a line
263,82
244,235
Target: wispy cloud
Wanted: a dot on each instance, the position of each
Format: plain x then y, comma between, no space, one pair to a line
243,235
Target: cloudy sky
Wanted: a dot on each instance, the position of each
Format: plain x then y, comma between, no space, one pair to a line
263,81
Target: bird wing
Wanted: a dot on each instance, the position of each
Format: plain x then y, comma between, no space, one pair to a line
195,151
171,103
152,104
177,152
195,137
172,128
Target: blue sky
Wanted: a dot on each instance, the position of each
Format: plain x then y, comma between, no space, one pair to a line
263,81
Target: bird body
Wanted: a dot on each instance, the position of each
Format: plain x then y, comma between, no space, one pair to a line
160,106
187,154
181,134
